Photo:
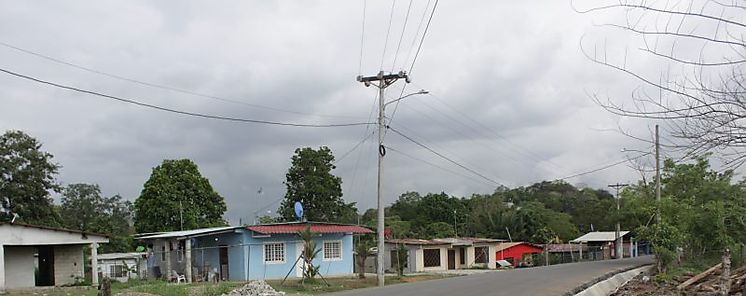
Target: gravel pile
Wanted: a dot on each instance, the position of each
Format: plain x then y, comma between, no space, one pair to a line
255,288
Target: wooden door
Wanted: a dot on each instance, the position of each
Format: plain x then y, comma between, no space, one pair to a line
451,259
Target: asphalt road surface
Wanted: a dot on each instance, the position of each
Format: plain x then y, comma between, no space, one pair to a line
551,280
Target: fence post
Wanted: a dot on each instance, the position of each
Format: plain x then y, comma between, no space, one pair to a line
725,275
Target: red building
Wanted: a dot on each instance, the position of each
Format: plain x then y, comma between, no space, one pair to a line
514,252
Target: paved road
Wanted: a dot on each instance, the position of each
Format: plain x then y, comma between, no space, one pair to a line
552,280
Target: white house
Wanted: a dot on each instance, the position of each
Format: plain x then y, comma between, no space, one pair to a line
33,256
123,266
443,253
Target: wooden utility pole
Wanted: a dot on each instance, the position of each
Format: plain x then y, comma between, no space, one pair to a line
657,176
384,81
617,238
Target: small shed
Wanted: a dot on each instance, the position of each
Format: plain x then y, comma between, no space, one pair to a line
34,256
604,242
515,252
122,266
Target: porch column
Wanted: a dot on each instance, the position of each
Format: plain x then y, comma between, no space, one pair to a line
167,247
94,264
581,251
2,269
188,258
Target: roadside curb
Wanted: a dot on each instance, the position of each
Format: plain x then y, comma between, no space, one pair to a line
604,277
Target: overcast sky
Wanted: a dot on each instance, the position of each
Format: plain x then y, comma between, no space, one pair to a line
509,87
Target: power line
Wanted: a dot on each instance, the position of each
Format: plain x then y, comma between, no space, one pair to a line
353,148
403,30
422,40
443,156
165,87
202,115
437,166
362,39
603,168
386,44
417,53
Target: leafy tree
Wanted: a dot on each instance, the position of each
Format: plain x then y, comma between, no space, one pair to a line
176,188
362,252
27,176
402,259
268,219
439,230
83,208
309,180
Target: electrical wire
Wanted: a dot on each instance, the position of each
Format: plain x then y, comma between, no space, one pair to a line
603,168
165,87
388,31
353,148
417,53
403,30
362,39
195,114
389,148
443,156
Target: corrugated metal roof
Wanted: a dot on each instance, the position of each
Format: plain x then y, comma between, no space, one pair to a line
189,233
566,248
315,227
453,241
415,241
599,236
109,256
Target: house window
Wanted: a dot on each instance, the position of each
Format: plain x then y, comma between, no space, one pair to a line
462,255
332,250
481,255
431,257
274,253
180,251
117,271
163,253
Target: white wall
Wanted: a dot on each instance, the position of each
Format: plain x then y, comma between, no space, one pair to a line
20,235
19,267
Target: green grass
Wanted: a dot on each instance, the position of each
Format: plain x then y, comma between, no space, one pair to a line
346,283
151,287
693,265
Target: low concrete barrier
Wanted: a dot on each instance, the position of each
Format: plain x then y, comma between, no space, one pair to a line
611,284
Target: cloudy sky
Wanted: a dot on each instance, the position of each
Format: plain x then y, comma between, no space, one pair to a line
508,81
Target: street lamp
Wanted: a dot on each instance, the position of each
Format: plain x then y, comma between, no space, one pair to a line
421,92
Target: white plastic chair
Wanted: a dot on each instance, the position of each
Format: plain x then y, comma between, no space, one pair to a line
178,277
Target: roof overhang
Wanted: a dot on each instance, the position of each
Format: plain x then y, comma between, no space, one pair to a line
19,234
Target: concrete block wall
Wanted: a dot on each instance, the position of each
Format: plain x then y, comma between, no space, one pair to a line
68,264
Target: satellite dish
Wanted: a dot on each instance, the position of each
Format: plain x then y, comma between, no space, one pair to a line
298,210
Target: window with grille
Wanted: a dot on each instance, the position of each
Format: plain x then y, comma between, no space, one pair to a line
274,253
431,257
117,271
332,250
481,255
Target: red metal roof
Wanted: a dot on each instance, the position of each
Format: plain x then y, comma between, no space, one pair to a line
315,227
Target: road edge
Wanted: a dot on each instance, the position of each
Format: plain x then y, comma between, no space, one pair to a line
604,277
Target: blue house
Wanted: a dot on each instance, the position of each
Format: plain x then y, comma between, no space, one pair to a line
249,252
